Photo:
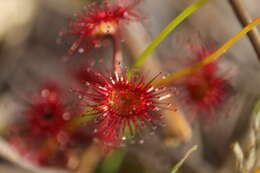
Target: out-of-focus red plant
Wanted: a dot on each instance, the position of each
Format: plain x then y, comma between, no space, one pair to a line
38,150
41,134
98,21
205,89
47,114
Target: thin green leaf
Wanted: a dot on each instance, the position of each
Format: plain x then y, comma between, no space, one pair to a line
112,163
169,28
179,164
84,117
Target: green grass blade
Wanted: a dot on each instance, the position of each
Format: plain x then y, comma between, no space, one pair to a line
169,28
179,164
112,163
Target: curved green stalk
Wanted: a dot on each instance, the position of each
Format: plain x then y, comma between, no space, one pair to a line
113,163
169,28
179,164
83,118
212,57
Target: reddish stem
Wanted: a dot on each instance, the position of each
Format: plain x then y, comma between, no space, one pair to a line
117,56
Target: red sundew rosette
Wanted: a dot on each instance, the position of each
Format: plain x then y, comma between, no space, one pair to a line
204,89
96,22
42,136
46,114
119,106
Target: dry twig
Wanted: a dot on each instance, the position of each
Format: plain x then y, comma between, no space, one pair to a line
245,18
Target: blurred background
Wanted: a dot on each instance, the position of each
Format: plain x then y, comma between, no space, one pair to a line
31,51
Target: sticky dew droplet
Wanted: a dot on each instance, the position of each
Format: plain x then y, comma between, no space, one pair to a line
66,116
81,50
62,137
45,93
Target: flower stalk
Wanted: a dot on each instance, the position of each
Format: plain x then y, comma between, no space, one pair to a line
117,55
182,73
165,32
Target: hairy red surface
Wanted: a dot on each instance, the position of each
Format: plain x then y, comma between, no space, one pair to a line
122,106
97,21
206,90
46,115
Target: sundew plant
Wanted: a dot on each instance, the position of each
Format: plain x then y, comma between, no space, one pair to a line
101,110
